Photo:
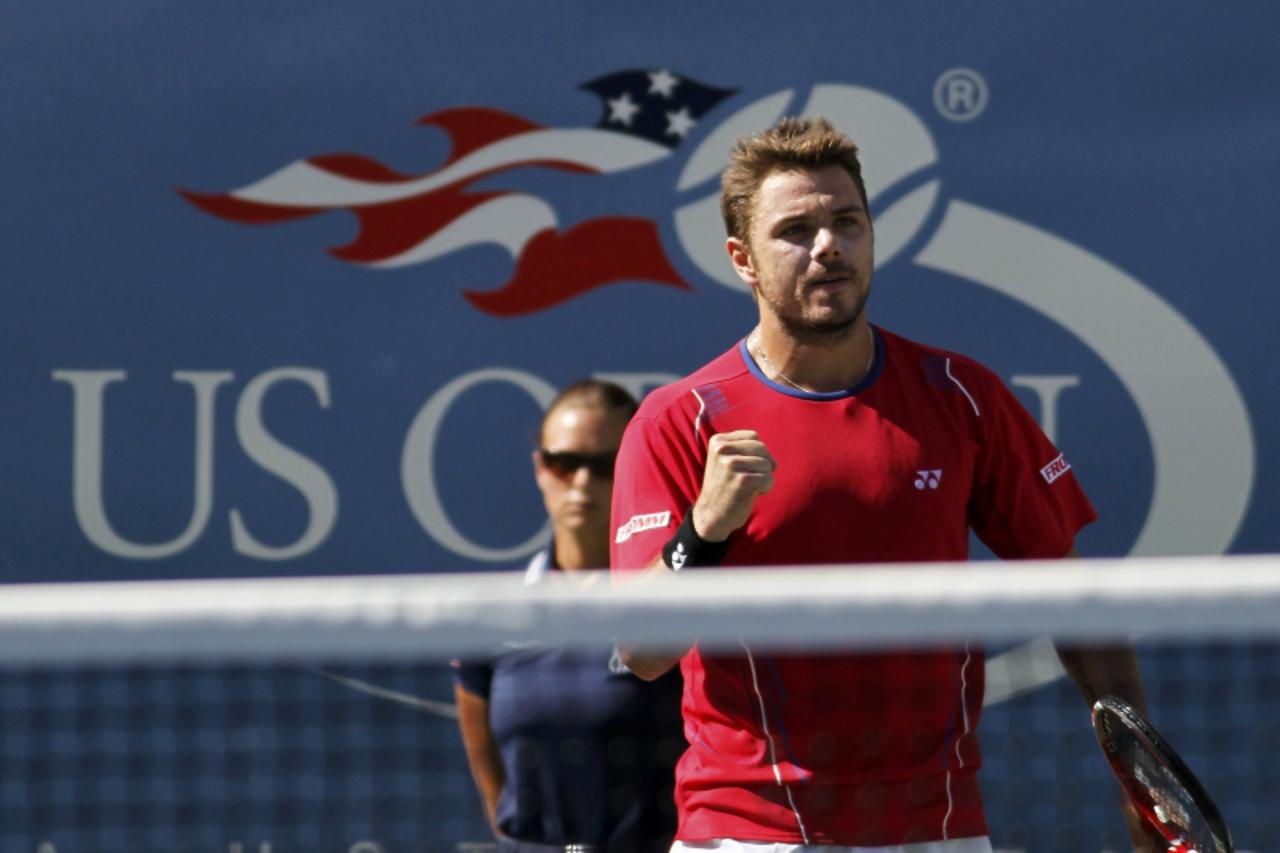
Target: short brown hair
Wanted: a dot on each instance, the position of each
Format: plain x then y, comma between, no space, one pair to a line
591,394
792,143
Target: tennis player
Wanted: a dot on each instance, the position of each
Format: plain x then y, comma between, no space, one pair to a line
568,749
821,438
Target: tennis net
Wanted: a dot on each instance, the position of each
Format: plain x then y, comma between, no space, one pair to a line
263,716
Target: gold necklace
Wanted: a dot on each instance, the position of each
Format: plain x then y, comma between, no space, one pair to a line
759,352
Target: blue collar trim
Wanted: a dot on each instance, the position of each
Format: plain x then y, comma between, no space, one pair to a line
877,365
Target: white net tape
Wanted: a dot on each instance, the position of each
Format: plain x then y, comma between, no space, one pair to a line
446,615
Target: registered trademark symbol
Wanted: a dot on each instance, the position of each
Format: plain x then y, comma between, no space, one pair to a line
960,94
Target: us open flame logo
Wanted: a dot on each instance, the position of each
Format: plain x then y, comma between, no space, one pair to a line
413,219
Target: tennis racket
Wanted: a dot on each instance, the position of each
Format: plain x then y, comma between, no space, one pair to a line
1161,787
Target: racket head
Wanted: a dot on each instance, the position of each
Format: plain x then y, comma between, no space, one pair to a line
1161,787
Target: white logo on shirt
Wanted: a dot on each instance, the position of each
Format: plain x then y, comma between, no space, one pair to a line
640,523
1055,469
930,478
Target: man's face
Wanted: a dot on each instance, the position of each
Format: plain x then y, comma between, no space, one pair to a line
811,253
577,498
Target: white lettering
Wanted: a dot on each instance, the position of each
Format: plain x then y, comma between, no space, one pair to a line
286,463
1055,469
640,523
89,390
417,464
961,95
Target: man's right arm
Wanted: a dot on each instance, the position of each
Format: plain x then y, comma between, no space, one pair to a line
648,663
739,469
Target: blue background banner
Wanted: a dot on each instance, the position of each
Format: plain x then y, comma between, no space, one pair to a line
287,284
1080,199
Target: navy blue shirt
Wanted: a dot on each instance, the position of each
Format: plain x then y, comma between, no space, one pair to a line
589,749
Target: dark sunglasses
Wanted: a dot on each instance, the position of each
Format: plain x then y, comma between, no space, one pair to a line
564,464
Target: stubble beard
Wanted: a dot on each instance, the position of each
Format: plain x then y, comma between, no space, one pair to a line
819,332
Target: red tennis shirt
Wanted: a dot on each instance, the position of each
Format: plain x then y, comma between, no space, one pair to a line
854,749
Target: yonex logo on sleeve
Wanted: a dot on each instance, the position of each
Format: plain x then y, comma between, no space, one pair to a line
1055,469
641,523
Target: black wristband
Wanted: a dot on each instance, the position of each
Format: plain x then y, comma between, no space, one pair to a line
687,548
